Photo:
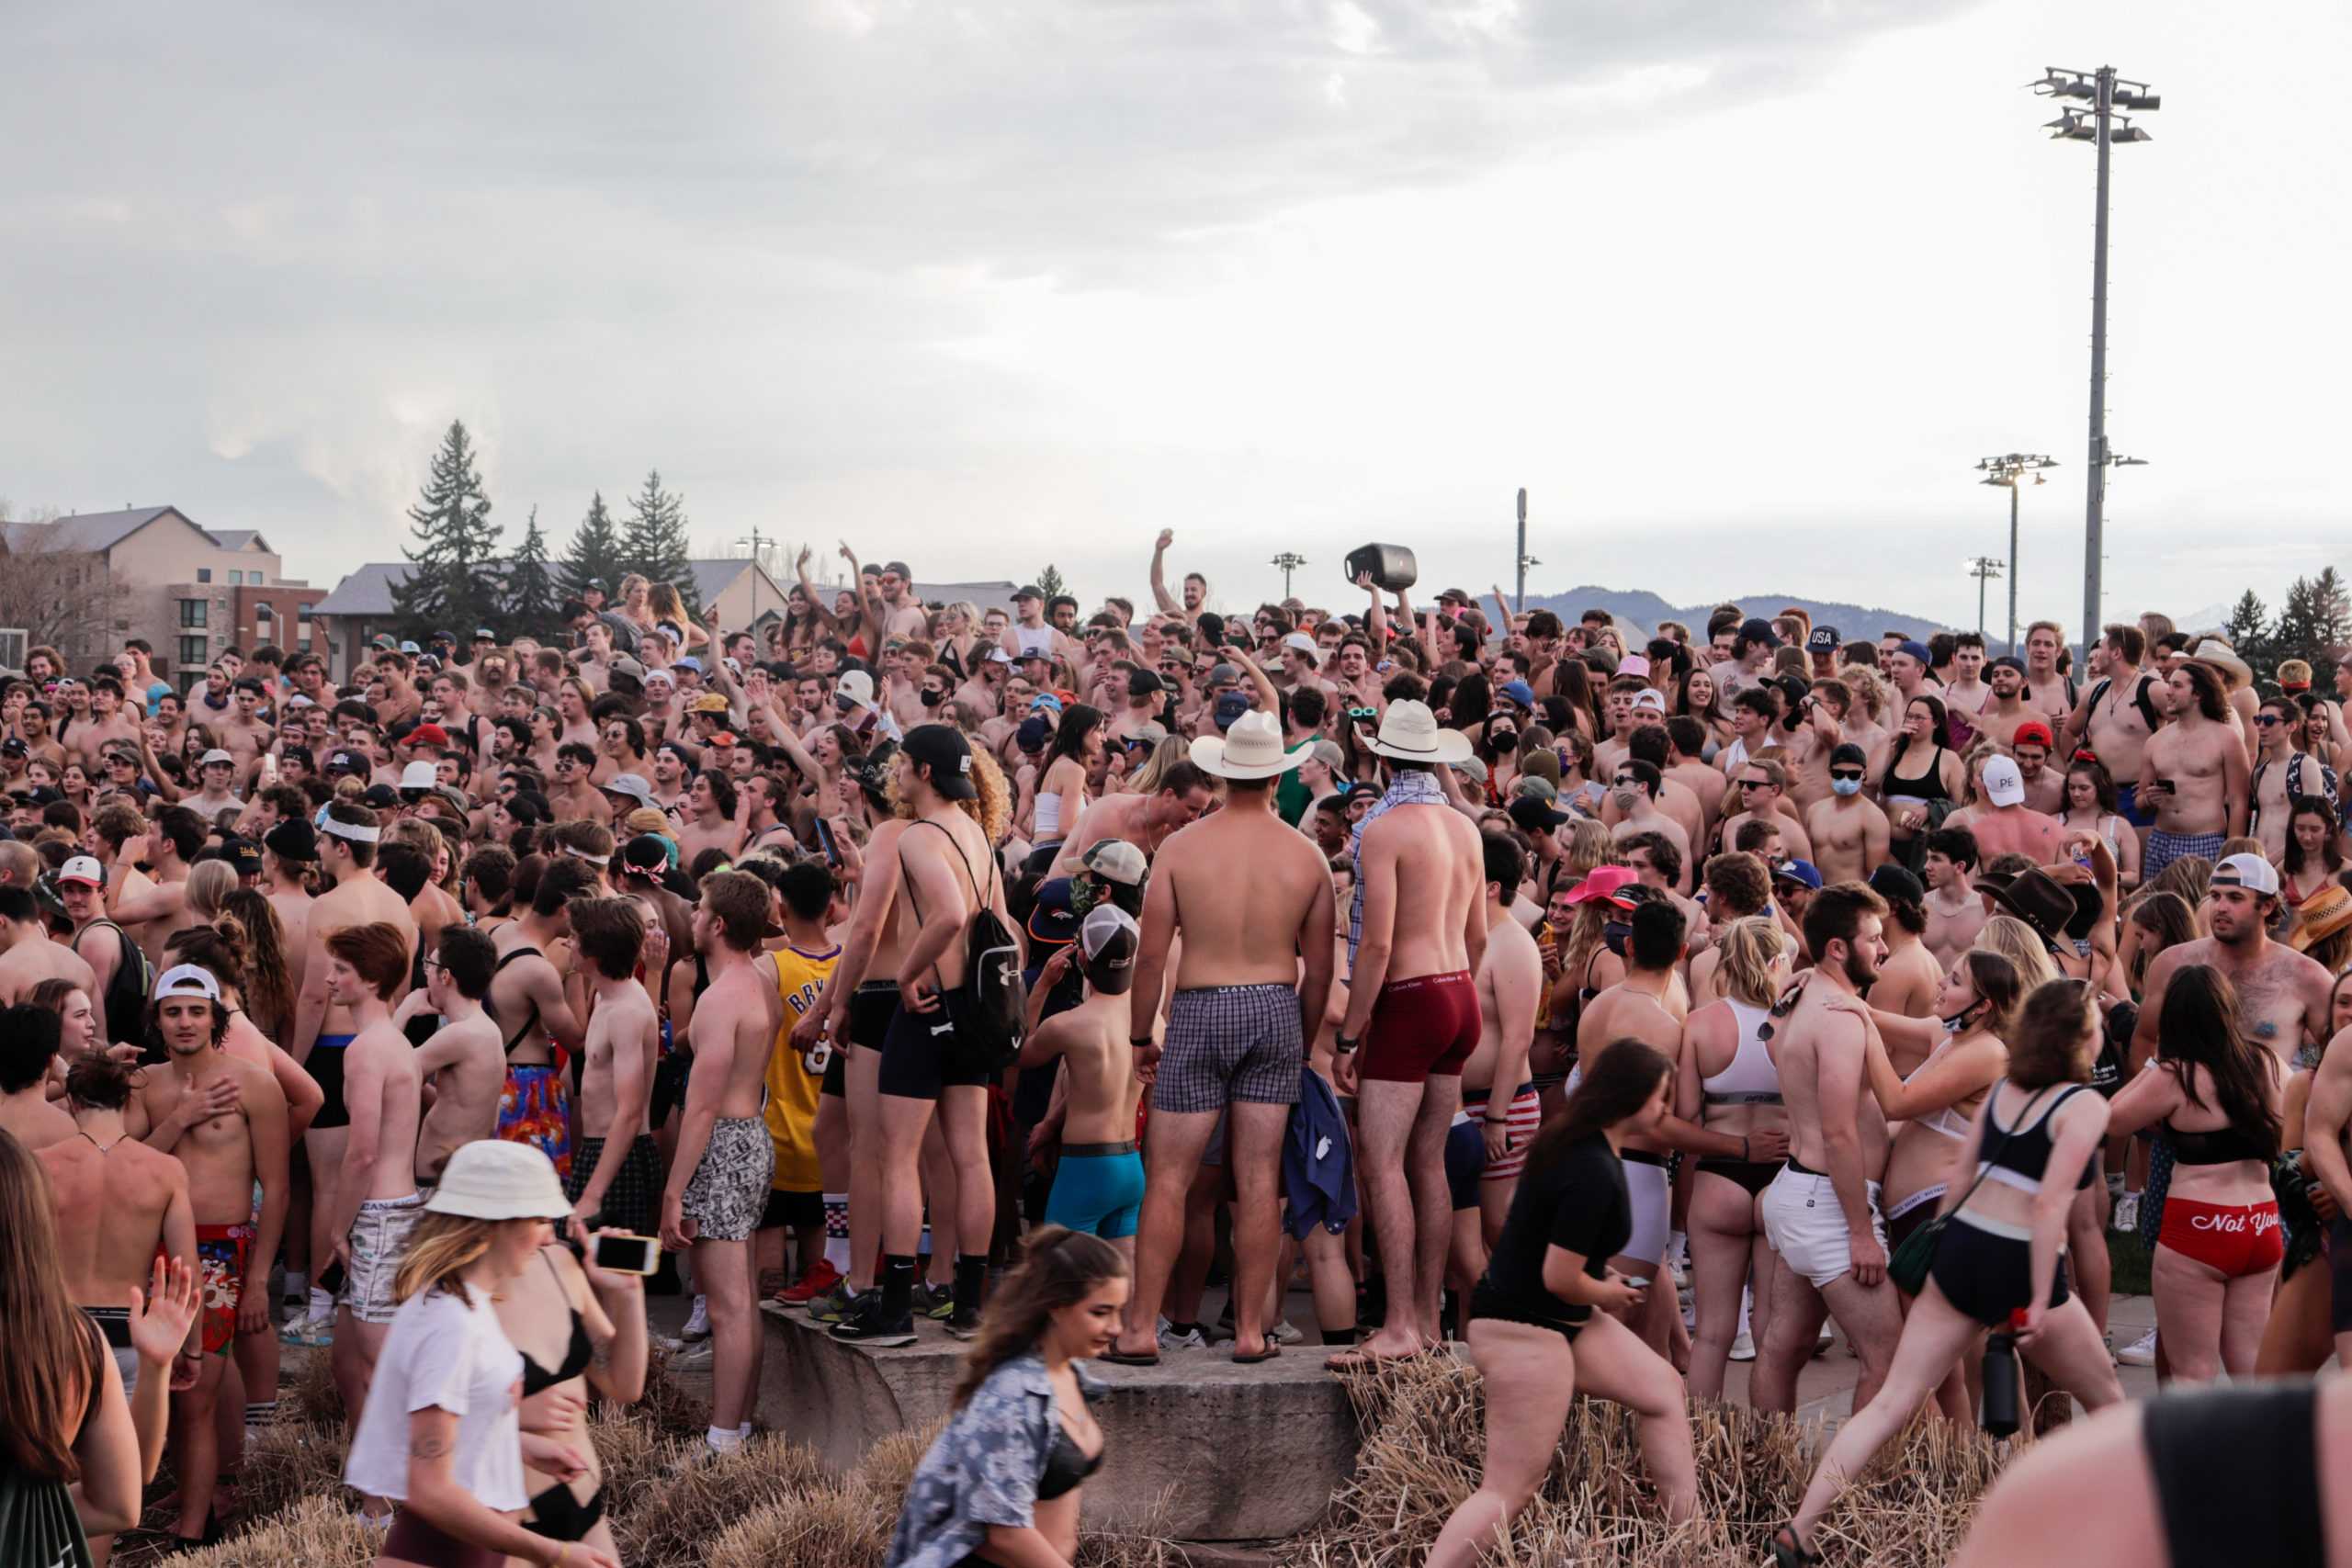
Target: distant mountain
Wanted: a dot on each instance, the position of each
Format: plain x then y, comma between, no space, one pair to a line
1643,610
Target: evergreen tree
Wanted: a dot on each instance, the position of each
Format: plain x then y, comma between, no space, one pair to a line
449,588
2297,634
653,542
531,598
2248,626
1050,584
2331,614
594,557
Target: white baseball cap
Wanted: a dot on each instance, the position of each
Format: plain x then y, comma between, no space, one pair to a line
2250,871
2004,786
187,980
418,775
216,755
856,685
83,869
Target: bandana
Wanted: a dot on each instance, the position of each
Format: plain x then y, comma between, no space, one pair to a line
357,832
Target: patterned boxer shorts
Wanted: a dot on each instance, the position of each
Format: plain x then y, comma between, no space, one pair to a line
1229,1043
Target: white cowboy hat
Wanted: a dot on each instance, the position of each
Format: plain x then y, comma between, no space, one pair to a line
1409,733
2217,653
1252,749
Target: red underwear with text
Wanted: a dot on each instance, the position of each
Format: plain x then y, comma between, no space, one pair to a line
2235,1239
1422,1027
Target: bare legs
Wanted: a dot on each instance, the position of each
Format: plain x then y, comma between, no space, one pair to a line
1171,1159
723,1270
2209,1323
1402,1171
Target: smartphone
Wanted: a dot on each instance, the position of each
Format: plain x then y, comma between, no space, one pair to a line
825,837
617,1252
330,1278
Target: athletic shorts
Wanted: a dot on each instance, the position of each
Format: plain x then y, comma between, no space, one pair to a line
1806,1225
836,1080
324,1064
1649,1189
923,1056
793,1210
533,1109
871,1008
1227,1044
1466,1160
2128,806
728,1190
379,1240
114,1323
1521,1120
1098,1189
633,1202
221,1254
1421,1028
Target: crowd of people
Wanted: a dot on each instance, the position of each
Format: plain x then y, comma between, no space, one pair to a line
1623,1005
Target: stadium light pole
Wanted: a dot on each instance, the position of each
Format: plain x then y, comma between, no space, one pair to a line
2093,98
1290,561
1983,568
1522,559
2010,469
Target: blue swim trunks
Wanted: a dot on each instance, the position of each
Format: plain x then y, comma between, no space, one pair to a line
1098,1189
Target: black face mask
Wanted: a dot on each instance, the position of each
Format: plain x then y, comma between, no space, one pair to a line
932,699
1615,934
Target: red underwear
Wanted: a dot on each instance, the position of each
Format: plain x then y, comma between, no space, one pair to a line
1421,1028
2237,1239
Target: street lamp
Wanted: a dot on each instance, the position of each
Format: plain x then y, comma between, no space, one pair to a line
1290,561
2089,114
2010,469
1983,568
1524,559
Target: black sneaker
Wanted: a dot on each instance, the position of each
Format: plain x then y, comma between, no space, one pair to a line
865,1325
964,1323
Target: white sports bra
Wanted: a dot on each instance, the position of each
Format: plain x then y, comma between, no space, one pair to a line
1750,1079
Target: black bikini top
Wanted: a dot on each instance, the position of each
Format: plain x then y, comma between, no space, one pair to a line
1066,1465
576,1356
2222,1146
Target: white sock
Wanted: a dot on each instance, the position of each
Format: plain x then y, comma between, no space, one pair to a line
744,1429
1676,1241
321,1303
726,1439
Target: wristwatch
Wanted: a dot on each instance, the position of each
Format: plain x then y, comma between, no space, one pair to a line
1139,1041
1343,1045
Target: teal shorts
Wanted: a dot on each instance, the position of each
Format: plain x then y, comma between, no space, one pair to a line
1098,1189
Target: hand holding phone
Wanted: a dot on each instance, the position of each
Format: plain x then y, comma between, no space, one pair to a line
620,1252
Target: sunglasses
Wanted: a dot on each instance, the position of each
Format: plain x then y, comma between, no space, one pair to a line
2268,720
1845,772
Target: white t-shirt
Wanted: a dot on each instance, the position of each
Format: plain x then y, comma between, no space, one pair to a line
442,1353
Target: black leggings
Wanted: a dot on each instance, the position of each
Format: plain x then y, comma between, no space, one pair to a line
2256,1445
1986,1276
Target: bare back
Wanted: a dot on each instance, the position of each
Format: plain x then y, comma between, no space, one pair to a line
1246,884
1434,855
111,1208
1821,1061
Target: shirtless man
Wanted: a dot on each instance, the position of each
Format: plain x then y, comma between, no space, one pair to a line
572,792
246,733
2192,774
324,1028
2004,824
617,1171
1098,1186
376,1200
2046,690
1632,794
1510,981
1955,914
1999,718
461,1059
1687,738
2282,995
1676,797
717,1186
224,1119
1145,821
1419,934
1910,974
2282,771
717,817
1847,830
291,850
1237,1025
160,908
28,1045
943,864
27,956
534,1013
1821,1212
1645,1006
2045,786
2117,715
1763,787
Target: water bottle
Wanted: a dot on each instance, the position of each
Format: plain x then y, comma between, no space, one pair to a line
2000,1410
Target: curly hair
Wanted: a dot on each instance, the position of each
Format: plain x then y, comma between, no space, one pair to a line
1058,1268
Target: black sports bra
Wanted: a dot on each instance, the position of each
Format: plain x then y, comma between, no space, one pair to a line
1927,786
2018,1156
2222,1146
1067,1465
576,1356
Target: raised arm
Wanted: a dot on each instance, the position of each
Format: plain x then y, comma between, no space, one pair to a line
1168,604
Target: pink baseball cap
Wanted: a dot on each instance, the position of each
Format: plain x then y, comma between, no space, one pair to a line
1633,664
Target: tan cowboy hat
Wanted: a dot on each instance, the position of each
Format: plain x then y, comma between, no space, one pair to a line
1252,749
2217,653
1409,733
2320,916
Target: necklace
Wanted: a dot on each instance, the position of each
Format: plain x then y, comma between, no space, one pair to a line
104,1149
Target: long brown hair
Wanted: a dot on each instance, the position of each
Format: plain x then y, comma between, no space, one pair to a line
269,988
438,1251
1615,1085
2200,1028
49,1373
2046,1046
1058,1268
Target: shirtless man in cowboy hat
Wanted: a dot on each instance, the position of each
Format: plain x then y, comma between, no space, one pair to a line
1417,933
1237,1025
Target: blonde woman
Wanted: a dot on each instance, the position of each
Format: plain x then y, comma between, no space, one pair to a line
440,1434
663,599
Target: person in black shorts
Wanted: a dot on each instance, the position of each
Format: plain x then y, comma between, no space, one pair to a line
1533,1332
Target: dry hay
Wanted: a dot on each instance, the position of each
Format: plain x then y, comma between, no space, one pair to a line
286,1463
839,1524
318,1532
307,1395
1424,1428
674,1518
889,1465
674,1402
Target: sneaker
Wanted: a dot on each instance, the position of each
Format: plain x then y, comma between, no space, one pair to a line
693,1357
2141,1352
1743,1348
821,1277
929,1301
964,1324
315,1332
1821,1345
1284,1334
698,1327
2127,1215
1191,1339
866,1326
833,1305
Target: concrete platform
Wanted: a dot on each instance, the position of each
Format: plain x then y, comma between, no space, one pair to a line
1200,1449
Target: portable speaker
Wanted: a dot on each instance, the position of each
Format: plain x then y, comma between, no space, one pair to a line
1391,566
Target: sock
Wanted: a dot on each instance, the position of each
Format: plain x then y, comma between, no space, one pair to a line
1339,1336
1674,1242
744,1429
837,1230
726,1439
898,1286
321,1303
295,1284
971,1278
261,1412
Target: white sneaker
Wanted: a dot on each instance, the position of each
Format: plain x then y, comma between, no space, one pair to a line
2141,1352
1284,1334
1743,1348
697,1322
694,1356
1191,1339
2127,1215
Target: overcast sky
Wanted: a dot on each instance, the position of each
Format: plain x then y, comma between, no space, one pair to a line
1740,290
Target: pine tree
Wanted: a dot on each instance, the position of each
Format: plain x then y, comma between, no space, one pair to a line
594,558
531,603
449,588
1050,584
2248,626
2297,634
654,543
2331,614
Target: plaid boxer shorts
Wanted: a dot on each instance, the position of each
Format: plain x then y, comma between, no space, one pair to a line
1229,1043
2166,848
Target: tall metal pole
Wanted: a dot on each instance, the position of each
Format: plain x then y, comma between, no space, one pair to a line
2013,572
2094,497
1521,555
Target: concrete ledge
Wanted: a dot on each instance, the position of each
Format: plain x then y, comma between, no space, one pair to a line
1200,1449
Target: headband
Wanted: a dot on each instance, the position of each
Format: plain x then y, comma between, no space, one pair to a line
591,860
357,832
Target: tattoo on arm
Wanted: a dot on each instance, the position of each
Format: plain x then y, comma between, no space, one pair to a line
428,1448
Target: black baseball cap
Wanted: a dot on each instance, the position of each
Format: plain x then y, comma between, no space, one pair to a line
943,750
1824,640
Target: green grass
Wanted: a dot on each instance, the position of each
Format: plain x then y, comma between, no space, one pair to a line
2128,1259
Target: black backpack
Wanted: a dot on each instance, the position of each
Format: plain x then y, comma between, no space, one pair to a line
988,1008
